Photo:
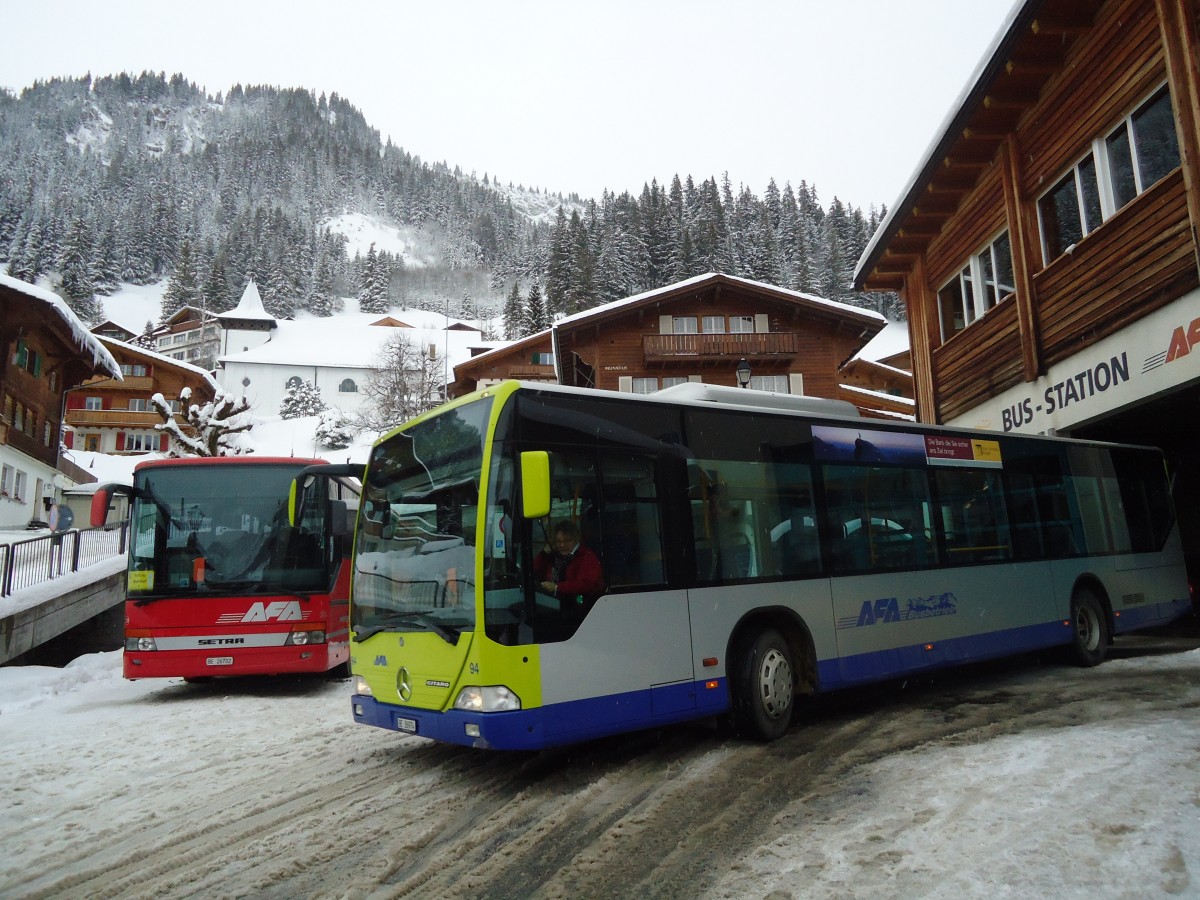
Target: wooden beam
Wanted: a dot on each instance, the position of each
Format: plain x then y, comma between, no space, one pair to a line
1177,25
1045,26
1022,225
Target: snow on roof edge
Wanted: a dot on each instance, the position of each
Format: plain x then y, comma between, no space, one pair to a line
83,338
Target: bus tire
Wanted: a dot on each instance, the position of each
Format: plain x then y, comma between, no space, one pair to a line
1089,627
764,691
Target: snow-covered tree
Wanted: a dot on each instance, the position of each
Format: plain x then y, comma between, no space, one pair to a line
303,398
183,288
334,429
403,382
213,428
514,313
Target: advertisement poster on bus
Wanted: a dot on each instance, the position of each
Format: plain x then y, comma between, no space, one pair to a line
834,444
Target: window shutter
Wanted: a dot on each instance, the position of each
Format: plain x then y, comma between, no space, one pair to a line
625,384
22,352
162,442
761,324
37,365
796,383
695,378
120,441
666,325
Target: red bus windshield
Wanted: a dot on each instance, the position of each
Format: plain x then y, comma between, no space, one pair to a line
199,531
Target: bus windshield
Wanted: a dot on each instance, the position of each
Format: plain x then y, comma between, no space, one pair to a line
415,553
199,531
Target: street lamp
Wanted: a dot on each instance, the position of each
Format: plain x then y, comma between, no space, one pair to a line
743,373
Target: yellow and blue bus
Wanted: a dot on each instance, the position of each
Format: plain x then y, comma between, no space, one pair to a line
754,546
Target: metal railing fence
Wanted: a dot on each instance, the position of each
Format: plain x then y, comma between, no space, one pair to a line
33,561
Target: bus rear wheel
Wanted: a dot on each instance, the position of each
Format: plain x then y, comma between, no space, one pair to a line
764,690
1089,623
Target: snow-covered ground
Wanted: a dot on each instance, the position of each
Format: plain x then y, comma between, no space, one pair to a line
1028,782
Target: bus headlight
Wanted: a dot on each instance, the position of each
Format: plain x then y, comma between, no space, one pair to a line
361,686
136,644
495,698
300,638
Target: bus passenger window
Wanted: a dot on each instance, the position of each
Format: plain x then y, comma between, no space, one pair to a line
878,518
973,516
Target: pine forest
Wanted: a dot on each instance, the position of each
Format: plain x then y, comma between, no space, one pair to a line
144,179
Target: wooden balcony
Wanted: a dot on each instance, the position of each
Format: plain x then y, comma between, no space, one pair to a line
112,418
531,373
675,347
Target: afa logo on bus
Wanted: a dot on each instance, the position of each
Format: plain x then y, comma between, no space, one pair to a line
276,610
887,609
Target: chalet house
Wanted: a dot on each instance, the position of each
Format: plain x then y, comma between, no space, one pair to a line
190,335
44,350
701,329
109,328
114,415
1046,247
527,359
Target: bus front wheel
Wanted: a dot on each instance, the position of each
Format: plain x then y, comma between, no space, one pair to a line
1089,639
764,692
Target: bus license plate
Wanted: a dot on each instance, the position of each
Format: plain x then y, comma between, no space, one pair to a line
409,725
219,661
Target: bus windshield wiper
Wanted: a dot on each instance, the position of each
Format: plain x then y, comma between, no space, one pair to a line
390,623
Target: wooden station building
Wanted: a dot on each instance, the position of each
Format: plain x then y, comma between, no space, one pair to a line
1046,247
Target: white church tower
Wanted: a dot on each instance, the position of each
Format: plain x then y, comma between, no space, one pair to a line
248,324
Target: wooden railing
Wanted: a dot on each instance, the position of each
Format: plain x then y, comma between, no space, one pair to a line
657,347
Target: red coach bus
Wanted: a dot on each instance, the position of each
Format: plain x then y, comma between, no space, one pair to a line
219,583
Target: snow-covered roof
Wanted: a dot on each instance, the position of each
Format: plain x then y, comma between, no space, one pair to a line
159,357
352,340
84,339
892,340
698,280
878,395
250,306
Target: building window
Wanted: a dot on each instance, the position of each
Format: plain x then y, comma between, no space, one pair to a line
645,385
984,281
6,481
139,405
714,324
776,383
672,380
140,442
1130,159
93,403
683,325
19,481
292,383
741,324
542,359
19,417
46,434
179,339
348,386
133,370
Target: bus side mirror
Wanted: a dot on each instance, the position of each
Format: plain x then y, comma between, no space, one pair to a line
100,507
102,502
535,484
339,518
295,499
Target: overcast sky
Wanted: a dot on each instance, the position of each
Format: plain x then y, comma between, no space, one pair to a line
844,94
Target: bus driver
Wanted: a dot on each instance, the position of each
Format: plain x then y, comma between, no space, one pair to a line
567,569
